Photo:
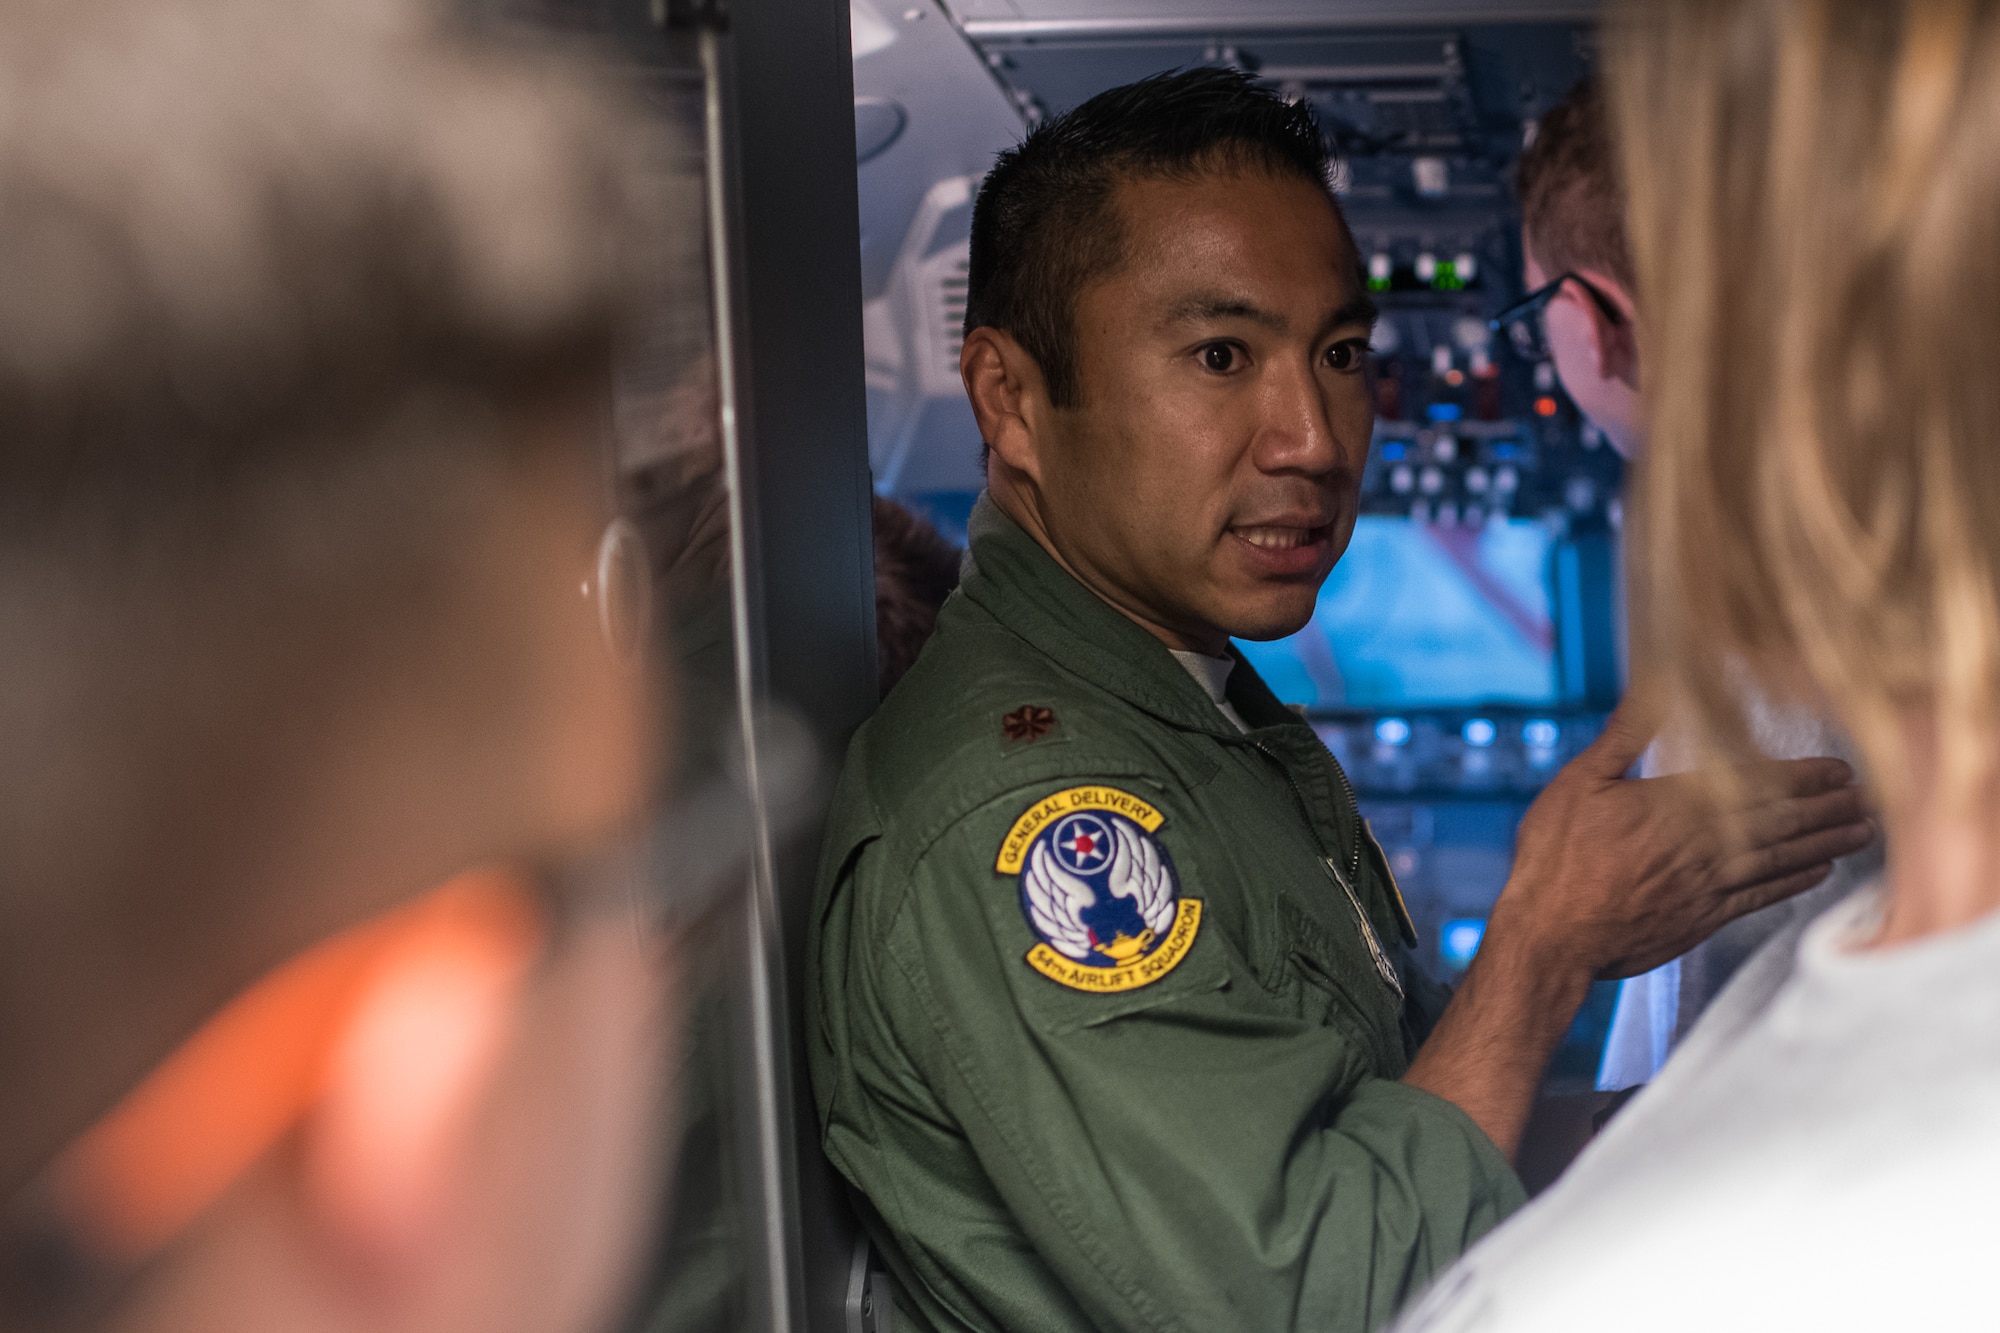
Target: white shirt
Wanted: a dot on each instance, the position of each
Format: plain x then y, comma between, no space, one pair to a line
1212,674
1822,1153
1656,1009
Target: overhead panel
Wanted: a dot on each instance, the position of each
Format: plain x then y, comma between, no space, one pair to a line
929,118
1072,18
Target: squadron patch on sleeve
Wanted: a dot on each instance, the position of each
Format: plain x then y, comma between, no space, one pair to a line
1099,890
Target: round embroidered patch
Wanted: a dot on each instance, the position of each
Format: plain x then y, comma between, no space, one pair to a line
1099,890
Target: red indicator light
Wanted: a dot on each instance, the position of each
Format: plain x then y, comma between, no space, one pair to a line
1545,406
1454,378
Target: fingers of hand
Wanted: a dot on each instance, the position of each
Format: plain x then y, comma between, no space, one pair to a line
1775,890
1770,779
1781,859
1627,733
1797,816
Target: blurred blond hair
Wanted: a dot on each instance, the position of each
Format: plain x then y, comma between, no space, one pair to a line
1815,223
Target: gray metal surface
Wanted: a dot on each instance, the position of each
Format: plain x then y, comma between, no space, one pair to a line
1135,18
809,558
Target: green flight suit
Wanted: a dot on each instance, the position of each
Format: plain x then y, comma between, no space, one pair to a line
1198,1126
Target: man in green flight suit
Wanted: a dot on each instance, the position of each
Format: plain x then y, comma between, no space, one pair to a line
1115,1021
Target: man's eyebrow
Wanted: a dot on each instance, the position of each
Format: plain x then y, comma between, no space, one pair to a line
1208,306
1361,310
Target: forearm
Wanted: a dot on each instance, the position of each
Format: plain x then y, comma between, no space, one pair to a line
1495,1038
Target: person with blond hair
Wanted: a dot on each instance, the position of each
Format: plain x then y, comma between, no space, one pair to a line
1581,315
1815,218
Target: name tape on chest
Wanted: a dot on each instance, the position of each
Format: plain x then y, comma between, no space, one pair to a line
1099,890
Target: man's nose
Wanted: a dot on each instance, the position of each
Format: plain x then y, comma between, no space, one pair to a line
1297,432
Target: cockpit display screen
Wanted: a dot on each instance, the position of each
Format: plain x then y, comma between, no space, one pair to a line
1423,615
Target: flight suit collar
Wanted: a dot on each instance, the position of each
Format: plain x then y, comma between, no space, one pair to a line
1020,584
1008,574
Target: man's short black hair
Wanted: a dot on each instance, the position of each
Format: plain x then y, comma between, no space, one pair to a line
1043,227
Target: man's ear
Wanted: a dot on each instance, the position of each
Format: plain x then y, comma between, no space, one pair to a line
1616,345
1009,398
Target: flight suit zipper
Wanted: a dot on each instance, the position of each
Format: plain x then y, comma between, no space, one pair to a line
1403,918
1353,804
1383,967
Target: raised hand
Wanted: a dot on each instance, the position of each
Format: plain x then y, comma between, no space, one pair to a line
1612,876
1619,875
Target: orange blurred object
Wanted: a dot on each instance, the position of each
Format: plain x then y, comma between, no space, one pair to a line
229,1093
1545,406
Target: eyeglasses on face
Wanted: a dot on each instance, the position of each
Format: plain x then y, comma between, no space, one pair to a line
1522,321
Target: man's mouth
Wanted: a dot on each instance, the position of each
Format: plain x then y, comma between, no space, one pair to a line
1273,537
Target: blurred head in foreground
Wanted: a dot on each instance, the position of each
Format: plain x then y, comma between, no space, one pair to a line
305,319
1815,225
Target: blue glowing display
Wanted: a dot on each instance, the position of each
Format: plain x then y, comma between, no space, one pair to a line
1459,940
1420,616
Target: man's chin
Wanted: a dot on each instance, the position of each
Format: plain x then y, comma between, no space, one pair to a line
1265,623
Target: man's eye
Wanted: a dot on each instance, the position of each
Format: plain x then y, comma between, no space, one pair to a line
1346,355
1220,357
